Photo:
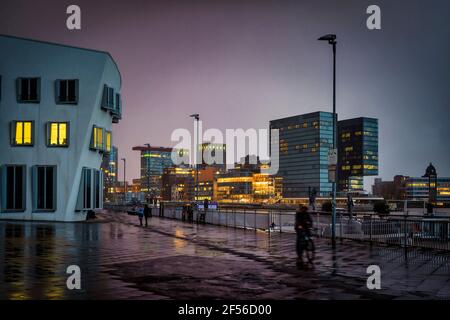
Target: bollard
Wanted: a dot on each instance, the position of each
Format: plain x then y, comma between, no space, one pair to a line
245,224
255,221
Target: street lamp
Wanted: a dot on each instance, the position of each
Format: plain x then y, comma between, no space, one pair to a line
331,38
124,180
196,117
148,174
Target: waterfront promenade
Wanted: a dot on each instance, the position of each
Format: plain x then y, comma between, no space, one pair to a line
171,259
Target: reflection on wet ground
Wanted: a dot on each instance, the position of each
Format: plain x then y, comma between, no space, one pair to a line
171,259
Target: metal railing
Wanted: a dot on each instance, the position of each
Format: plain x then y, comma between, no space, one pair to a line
402,230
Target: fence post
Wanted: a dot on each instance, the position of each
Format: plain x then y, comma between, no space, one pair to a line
279,218
405,236
226,219
245,223
318,223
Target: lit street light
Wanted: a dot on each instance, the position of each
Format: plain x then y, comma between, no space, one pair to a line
331,38
196,117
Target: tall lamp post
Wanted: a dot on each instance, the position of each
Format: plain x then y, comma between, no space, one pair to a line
196,117
124,180
331,38
148,174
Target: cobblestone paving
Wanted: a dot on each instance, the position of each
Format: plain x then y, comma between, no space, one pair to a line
170,259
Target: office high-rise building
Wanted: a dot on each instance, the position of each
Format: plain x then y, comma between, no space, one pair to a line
110,175
304,141
357,152
153,162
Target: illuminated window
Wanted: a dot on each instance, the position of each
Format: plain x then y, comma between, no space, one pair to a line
97,142
305,125
67,91
58,134
108,141
22,133
28,90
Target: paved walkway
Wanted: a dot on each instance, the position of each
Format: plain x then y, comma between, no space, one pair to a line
170,259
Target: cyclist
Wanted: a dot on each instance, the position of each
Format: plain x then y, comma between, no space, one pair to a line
303,226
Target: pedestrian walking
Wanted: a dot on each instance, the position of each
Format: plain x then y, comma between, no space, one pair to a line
140,215
147,213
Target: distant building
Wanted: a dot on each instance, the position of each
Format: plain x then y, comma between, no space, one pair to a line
390,190
418,189
110,175
57,106
304,141
177,184
213,151
206,177
357,152
246,184
153,162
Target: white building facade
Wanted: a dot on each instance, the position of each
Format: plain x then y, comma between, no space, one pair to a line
57,106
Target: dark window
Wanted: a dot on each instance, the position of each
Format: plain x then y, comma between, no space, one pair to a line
28,90
97,189
13,187
44,188
67,91
91,190
108,98
88,189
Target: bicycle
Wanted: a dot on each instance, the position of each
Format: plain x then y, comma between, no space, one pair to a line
305,244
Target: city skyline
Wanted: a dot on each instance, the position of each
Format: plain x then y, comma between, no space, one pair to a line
261,61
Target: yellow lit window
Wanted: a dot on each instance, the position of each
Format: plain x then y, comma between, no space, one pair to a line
108,141
97,138
58,133
23,133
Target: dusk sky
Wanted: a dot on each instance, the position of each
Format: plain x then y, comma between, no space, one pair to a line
243,63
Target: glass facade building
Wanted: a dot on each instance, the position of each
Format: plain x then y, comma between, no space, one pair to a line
304,141
357,152
153,162
110,175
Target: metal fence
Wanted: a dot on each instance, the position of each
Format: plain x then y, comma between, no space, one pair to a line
400,230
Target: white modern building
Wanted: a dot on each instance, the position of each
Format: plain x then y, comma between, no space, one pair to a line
57,106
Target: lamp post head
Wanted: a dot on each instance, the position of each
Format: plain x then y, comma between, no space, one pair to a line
196,116
331,38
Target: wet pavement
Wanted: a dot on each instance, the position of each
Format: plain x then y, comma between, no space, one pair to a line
171,259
